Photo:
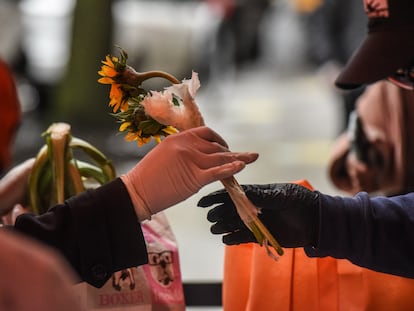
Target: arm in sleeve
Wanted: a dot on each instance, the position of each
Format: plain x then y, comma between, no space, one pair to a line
97,231
376,233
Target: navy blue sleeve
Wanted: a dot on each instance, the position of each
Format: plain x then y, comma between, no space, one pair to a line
97,232
376,233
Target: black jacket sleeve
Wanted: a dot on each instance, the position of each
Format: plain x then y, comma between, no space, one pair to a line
373,232
97,231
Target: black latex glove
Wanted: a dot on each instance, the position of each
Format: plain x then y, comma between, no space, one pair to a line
289,211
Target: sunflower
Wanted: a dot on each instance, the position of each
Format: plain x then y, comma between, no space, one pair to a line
108,70
126,95
118,99
111,72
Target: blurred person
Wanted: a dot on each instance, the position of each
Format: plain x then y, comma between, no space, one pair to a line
33,277
373,232
238,37
374,155
332,39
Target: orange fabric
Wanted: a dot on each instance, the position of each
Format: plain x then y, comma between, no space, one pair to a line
306,6
252,281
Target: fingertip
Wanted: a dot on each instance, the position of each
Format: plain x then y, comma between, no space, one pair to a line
226,170
204,202
238,166
253,156
247,157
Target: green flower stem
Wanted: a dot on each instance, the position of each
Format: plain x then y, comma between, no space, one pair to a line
35,177
130,77
59,135
247,213
158,74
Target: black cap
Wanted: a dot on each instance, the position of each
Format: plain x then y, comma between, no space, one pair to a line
389,44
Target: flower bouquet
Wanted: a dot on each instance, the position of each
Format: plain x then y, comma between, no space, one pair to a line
145,115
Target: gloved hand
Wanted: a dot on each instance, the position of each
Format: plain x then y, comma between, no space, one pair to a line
180,166
13,186
289,211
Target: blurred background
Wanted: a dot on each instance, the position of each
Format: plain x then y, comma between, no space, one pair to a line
265,87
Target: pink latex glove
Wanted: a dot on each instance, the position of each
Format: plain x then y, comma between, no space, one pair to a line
179,167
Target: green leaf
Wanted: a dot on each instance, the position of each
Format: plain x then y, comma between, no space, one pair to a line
150,127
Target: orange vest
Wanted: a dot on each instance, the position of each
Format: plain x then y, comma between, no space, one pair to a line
253,281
